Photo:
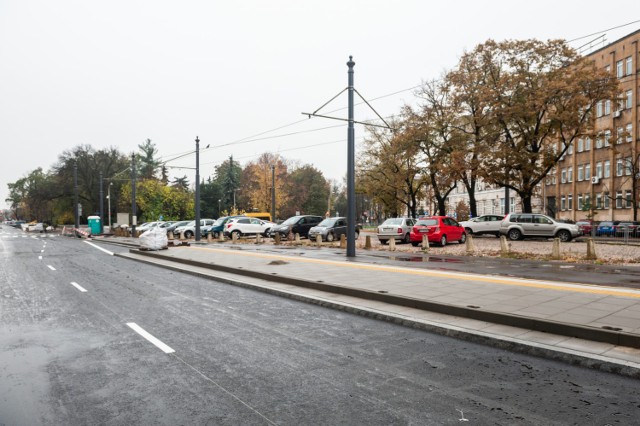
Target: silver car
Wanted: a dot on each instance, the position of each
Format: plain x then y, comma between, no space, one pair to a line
398,228
517,226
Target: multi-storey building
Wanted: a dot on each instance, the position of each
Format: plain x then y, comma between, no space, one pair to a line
599,176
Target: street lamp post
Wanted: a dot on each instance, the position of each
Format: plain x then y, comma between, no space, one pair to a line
109,203
219,207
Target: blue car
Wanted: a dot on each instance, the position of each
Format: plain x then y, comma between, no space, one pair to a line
607,228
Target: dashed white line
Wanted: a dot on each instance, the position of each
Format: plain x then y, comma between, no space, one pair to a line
164,348
51,267
110,253
39,257
78,286
42,251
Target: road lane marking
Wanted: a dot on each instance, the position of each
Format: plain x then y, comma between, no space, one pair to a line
76,285
39,257
521,282
110,253
42,251
164,348
51,267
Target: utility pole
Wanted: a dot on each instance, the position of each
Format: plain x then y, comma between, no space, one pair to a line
75,196
273,192
351,186
197,189
134,219
101,204
109,202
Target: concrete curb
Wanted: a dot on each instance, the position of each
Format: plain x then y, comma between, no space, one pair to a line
573,357
613,337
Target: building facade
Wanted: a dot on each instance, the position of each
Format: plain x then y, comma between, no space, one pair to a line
598,177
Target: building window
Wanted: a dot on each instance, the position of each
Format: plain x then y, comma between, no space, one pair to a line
629,199
606,200
599,109
607,137
629,65
587,171
579,201
619,200
599,141
570,174
580,173
619,135
629,99
629,132
628,166
563,176
587,144
598,201
619,69
607,169
587,201
580,145
619,167
607,107
563,203
599,169
570,201
570,149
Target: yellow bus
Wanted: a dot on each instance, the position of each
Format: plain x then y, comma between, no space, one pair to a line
259,215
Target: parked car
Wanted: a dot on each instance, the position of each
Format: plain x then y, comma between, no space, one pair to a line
218,226
331,229
607,228
242,226
148,225
586,226
190,228
517,226
37,227
485,224
627,228
296,225
174,225
438,229
398,228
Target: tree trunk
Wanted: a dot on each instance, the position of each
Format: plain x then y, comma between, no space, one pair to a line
526,203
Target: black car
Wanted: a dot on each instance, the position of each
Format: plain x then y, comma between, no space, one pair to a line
296,225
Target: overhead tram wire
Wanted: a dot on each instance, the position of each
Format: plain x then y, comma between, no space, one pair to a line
600,32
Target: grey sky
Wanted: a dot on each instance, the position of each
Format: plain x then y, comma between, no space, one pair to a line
114,73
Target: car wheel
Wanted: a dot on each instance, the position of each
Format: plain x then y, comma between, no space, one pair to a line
497,234
463,238
407,239
236,233
383,242
468,231
443,240
266,232
514,234
330,237
415,243
357,235
188,234
564,235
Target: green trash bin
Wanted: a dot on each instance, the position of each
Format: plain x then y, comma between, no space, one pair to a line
95,225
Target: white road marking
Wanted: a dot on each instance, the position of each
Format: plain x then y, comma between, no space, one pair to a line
39,257
42,251
110,253
76,285
135,327
51,267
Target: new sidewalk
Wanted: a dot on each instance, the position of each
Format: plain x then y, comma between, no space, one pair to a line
590,325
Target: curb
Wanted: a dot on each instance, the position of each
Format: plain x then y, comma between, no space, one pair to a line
573,357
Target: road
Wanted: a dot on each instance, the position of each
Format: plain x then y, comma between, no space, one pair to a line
89,338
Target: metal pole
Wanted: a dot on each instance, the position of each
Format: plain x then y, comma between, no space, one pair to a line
197,189
101,204
75,197
273,192
109,203
234,201
134,219
351,186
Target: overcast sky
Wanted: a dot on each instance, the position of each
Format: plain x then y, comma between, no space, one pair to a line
114,73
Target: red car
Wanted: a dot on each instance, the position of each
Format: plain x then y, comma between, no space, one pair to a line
585,226
439,229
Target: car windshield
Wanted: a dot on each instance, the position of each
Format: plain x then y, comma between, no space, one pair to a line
427,222
291,220
192,223
396,221
327,222
219,221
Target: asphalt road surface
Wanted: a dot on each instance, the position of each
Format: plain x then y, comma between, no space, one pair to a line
89,338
